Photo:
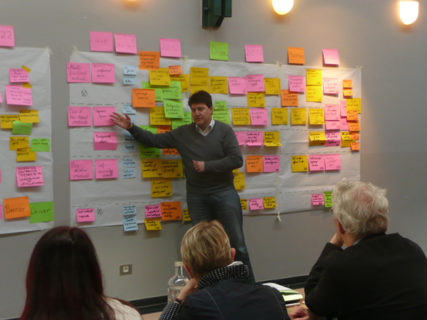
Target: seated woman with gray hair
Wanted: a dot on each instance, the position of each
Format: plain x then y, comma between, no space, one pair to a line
364,273
219,288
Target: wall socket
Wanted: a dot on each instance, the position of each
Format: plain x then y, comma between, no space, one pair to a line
125,269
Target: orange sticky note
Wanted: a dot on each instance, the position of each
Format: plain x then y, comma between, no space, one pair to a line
347,84
352,115
296,55
354,136
15,208
289,99
354,126
149,60
171,210
355,146
254,164
175,70
143,98
347,93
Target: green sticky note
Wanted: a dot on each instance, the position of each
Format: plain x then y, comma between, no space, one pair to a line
40,145
153,130
219,51
173,92
22,128
222,115
41,212
187,119
173,109
220,104
148,152
158,92
327,197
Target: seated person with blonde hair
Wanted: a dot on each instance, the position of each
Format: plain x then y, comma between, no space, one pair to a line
219,287
377,275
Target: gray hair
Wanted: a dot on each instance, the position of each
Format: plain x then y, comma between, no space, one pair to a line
360,207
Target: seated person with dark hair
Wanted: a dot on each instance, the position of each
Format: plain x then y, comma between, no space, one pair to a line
377,275
219,287
64,281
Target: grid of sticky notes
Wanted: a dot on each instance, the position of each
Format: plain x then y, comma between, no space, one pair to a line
19,95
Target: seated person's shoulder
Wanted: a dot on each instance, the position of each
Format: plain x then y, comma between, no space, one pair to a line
123,310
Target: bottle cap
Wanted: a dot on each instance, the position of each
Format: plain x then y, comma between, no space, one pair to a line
178,264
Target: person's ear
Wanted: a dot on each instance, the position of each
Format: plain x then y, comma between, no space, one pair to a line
232,254
188,271
339,226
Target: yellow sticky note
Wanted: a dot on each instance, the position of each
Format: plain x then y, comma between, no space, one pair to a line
256,99
269,202
272,139
199,76
26,68
354,104
299,163
315,116
184,79
27,85
239,180
313,93
25,155
6,120
153,224
316,138
279,116
157,117
345,139
298,116
313,77
272,86
241,116
160,77
218,85
244,204
347,93
347,84
161,188
29,116
16,143
195,88
186,215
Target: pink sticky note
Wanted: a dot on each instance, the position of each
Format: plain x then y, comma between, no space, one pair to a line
19,96
170,48
254,138
237,85
106,169
81,169
271,163
255,83
18,76
259,116
7,36
330,57
1,211
78,72
103,73
79,116
316,162
125,43
240,135
296,84
332,125
332,112
101,116
254,53
31,176
85,215
104,140
332,139
332,162
1,99
101,41
256,204
153,211
343,124
317,199
343,107
331,86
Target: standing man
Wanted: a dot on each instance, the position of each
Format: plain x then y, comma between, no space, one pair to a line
209,152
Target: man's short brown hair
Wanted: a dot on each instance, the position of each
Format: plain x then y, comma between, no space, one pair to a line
205,247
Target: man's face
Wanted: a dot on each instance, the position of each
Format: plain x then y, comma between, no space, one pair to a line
202,114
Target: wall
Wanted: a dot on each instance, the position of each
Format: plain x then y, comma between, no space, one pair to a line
366,33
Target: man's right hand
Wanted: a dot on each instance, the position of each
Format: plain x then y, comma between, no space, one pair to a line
121,121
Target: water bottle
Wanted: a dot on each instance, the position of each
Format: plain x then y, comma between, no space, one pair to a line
176,282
